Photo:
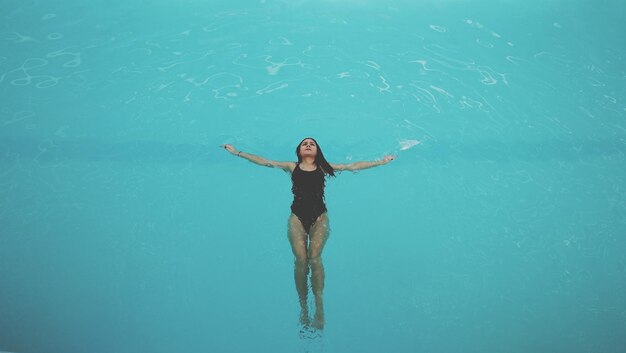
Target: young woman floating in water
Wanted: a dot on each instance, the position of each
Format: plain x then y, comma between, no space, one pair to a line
308,223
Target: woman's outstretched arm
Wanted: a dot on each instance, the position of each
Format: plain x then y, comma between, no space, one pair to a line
286,166
362,165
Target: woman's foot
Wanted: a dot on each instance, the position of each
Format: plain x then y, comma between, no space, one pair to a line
318,321
304,318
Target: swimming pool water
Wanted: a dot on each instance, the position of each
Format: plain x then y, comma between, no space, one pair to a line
498,228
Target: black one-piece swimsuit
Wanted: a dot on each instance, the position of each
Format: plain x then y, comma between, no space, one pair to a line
308,195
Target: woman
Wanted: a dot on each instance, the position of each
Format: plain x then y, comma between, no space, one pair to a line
308,223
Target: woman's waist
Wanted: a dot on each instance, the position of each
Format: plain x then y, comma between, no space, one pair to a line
311,203
308,197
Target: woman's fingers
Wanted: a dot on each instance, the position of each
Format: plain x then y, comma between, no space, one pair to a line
228,147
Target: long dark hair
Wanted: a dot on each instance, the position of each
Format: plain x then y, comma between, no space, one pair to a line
319,158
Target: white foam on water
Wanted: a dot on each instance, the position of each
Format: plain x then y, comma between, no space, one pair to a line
406,144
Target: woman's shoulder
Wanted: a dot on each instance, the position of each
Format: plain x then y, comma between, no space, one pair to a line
291,166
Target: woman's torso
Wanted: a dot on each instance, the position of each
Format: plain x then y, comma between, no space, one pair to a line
308,188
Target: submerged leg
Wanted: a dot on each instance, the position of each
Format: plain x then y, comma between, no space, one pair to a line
298,240
318,236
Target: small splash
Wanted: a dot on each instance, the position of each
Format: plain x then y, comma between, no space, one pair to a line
55,36
280,41
406,144
309,333
440,29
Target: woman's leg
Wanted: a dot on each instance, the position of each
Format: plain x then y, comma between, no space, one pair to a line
318,235
298,240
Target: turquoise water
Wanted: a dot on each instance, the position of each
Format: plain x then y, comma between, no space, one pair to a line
499,227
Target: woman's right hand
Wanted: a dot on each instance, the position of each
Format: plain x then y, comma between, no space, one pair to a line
230,148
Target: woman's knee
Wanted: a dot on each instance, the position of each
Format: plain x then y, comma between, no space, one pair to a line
301,263
314,252
314,260
301,260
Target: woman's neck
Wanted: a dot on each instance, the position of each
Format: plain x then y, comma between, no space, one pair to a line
308,161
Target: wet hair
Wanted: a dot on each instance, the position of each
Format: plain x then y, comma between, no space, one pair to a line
319,158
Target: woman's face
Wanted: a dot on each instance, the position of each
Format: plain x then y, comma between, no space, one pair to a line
308,148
